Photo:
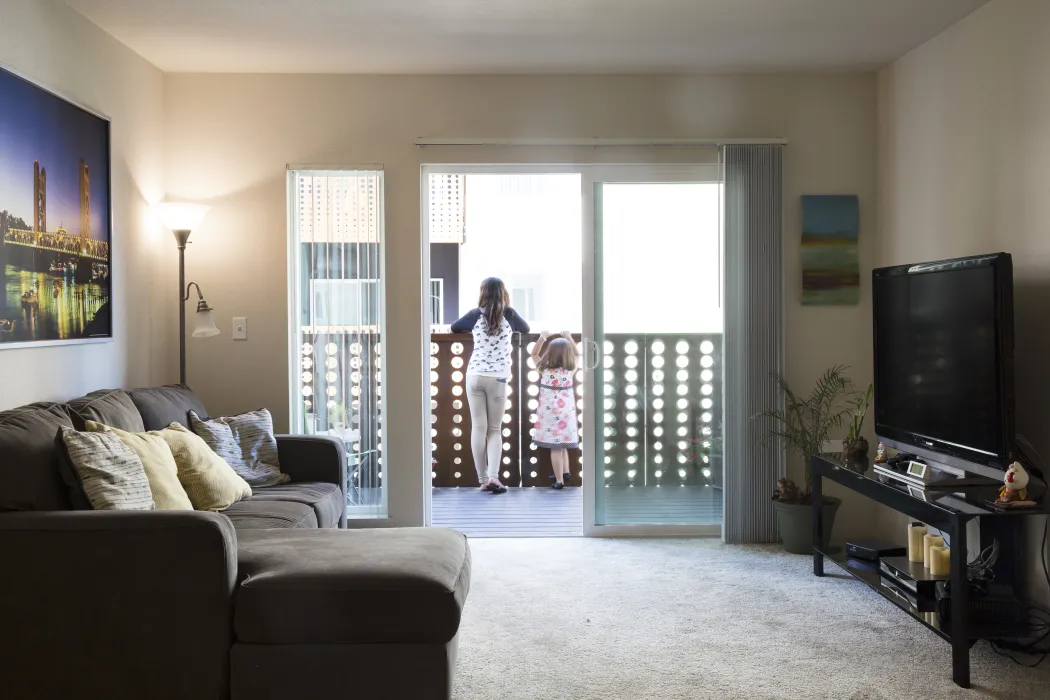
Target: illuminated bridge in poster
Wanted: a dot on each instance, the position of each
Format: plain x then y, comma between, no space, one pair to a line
59,242
59,252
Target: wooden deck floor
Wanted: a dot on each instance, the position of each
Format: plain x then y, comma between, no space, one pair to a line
544,512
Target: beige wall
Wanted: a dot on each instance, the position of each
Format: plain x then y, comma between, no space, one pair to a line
49,43
230,137
964,168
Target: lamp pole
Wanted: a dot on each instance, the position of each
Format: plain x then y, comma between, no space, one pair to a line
182,237
181,219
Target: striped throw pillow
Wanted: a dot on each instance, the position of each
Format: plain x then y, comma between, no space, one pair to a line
111,473
246,442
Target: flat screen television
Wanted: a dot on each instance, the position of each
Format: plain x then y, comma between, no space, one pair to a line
944,344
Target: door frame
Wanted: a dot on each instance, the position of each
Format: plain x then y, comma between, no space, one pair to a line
361,516
425,171
592,176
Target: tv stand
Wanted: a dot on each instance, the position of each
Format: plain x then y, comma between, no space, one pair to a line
949,509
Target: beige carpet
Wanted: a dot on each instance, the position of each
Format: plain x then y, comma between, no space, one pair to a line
583,619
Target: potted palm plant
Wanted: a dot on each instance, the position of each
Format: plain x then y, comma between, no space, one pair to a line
855,446
804,425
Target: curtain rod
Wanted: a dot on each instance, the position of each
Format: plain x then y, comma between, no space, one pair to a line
421,142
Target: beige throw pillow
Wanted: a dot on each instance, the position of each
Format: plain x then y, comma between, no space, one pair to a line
158,462
209,481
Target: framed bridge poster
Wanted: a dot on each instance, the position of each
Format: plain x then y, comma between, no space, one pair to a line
55,219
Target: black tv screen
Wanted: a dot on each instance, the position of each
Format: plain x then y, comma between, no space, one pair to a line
944,357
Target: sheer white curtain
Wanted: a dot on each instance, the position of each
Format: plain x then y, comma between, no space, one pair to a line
754,336
336,302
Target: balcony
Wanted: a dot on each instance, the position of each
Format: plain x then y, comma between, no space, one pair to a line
660,451
660,448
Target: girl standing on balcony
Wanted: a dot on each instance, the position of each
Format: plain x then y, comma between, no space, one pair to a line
492,324
556,414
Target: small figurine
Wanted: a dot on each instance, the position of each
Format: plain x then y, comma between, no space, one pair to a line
880,453
1015,485
787,492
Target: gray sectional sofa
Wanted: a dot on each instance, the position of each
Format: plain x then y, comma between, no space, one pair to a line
272,598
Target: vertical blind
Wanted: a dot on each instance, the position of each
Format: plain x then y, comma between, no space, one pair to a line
337,295
753,336
448,207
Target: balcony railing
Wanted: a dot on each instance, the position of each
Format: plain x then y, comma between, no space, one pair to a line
340,394
661,398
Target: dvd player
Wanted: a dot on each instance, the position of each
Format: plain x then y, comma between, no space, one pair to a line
911,576
873,550
917,475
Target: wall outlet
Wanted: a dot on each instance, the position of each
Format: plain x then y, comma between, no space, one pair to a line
240,328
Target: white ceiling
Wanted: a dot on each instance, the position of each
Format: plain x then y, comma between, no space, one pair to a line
521,36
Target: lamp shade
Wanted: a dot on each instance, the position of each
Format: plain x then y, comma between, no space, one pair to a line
204,324
180,216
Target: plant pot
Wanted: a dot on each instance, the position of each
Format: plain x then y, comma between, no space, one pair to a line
795,522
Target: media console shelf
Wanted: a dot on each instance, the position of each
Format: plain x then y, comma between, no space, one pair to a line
949,510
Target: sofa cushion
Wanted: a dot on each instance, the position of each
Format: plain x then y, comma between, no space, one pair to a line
78,499
29,465
113,407
271,515
350,586
163,405
325,499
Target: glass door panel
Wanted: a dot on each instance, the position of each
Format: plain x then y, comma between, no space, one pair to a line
336,296
658,326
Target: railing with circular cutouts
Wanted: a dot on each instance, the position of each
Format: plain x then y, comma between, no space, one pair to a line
340,387
662,407
660,397
450,424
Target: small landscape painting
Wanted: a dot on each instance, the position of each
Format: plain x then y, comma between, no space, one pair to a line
830,262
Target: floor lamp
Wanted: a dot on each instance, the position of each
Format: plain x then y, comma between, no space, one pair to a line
182,219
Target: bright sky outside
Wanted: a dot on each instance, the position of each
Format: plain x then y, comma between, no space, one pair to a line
661,252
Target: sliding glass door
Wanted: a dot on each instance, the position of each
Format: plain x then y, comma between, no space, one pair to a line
649,305
652,444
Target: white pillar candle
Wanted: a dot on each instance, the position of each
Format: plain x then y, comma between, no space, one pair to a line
940,560
927,542
916,531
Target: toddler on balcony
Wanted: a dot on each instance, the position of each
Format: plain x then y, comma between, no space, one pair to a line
555,360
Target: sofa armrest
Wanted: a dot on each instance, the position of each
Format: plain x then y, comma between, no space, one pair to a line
134,604
313,458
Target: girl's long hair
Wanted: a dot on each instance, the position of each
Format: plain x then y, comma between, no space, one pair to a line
493,301
558,355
